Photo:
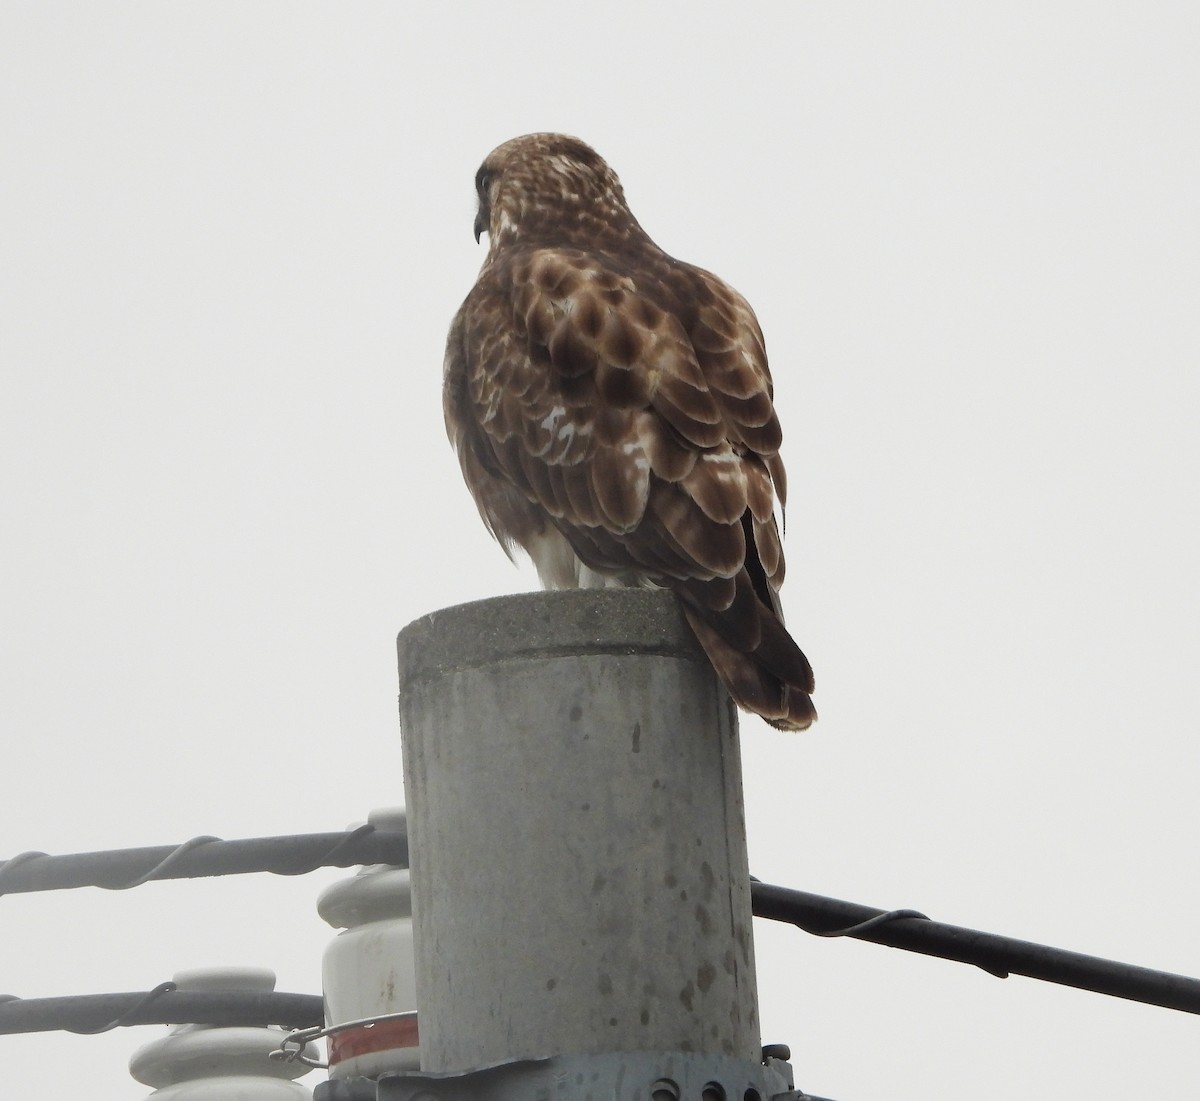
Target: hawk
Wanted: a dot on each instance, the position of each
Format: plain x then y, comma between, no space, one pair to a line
612,411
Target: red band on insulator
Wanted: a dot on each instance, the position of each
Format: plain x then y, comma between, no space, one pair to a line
382,1036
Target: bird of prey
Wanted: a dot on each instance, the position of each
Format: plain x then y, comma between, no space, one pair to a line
612,411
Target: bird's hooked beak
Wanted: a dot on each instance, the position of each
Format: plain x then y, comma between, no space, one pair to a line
483,192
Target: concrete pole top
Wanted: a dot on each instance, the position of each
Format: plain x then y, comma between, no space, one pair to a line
545,624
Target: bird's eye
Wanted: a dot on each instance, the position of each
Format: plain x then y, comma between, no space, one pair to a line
483,182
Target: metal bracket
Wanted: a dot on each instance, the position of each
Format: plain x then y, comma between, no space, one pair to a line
620,1076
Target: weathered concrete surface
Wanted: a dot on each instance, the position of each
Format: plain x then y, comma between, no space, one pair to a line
579,872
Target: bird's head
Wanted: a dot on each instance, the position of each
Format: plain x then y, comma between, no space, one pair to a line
547,188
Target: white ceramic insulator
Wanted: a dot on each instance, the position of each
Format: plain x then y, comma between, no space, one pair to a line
213,1063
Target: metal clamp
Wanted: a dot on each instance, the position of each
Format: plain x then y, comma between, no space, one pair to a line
291,1049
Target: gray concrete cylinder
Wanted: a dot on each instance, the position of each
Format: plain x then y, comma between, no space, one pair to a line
577,833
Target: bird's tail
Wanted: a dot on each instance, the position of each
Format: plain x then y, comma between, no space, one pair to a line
760,664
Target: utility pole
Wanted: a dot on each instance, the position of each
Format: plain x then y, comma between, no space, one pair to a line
581,895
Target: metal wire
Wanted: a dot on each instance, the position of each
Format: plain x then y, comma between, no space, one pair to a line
997,955
861,927
122,869
871,923
291,1049
816,914
89,1014
159,871
129,1014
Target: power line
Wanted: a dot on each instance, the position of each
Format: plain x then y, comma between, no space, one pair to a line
816,914
164,1005
121,869
997,955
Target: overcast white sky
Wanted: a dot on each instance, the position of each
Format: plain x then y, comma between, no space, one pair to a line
232,237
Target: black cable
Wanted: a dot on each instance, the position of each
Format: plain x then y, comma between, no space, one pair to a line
906,929
164,1005
120,869
995,954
